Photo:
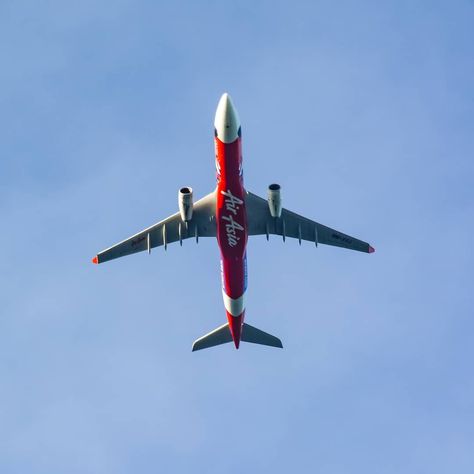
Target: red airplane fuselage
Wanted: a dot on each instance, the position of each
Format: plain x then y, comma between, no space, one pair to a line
231,218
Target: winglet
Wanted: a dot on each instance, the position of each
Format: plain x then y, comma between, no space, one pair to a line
95,260
371,249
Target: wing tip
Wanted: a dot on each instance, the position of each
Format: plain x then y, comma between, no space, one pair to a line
95,260
371,249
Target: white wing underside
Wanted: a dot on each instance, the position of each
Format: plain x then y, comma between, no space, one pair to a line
260,222
203,224
172,229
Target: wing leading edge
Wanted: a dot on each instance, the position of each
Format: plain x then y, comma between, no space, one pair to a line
172,229
290,224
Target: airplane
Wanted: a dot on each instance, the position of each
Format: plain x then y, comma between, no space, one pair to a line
231,214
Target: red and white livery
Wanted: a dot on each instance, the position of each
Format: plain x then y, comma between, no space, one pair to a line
231,214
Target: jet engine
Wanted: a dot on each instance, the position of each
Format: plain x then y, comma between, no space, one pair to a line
274,200
185,202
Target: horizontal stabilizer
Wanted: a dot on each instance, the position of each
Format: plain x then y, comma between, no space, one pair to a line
221,335
256,336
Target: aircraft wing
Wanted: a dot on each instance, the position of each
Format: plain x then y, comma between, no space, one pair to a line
290,224
172,229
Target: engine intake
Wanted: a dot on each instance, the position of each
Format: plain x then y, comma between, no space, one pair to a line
274,200
185,202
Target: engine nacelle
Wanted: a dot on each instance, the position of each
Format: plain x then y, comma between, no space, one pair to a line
274,200
185,202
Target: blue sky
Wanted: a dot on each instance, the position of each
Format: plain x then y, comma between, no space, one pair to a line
362,111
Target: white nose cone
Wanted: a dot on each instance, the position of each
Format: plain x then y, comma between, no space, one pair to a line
226,123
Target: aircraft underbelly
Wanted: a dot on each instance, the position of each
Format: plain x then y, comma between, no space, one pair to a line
231,218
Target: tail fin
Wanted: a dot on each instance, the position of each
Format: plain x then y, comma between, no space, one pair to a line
221,335
251,334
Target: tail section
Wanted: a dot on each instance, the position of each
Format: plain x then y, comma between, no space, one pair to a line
222,335
256,336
